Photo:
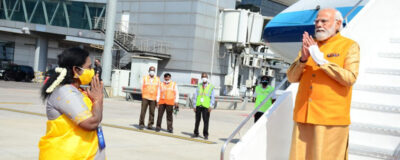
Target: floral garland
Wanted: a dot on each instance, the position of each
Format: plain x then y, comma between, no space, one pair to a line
60,78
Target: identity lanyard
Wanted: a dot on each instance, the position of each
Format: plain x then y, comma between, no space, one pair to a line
100,136
264,90
205,90
151,81
166,87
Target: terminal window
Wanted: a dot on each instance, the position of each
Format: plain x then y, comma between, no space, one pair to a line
6,52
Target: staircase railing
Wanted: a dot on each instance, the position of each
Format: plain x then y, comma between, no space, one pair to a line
223,148
351,11
129,41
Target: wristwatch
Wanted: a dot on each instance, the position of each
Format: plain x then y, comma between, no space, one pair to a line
302,61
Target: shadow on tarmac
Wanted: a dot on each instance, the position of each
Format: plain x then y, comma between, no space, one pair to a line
234,141
190,134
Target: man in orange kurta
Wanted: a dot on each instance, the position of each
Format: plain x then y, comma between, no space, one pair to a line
326,70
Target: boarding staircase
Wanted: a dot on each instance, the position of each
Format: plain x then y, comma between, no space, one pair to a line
375,108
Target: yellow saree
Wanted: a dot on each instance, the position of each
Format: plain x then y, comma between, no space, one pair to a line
65,140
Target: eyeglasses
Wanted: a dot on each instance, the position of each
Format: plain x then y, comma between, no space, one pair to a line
323,21
90,67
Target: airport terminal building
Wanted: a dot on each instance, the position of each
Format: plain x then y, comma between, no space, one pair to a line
181,34
34,32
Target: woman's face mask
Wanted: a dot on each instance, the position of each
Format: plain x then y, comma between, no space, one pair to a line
87,76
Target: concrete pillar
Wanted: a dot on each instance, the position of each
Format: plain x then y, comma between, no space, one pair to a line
235,89
273,82
40,61
214,39
109,41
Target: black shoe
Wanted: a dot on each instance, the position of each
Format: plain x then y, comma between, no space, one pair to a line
158,129
141,127
206,137
195,135
170,131
150,127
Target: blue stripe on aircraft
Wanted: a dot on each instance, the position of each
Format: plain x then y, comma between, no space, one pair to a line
289,27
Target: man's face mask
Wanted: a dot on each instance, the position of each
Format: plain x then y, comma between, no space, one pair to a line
264,82
151,73
87,76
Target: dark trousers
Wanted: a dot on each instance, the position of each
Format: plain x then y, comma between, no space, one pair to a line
161,110
145,104
206,117
257,116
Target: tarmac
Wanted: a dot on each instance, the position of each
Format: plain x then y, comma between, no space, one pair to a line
23,122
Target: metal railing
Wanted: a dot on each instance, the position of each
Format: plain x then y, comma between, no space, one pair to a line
351,11
233,100
187,97
130,90
223,148
129,41
132,42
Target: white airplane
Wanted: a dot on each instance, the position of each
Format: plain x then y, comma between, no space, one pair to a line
284,31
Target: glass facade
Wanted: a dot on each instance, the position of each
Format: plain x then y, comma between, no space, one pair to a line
68,14
6,52
267,7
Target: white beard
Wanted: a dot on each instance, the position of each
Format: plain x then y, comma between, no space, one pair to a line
322,34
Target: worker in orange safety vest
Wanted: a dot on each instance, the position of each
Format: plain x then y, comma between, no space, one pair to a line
150,86
167,98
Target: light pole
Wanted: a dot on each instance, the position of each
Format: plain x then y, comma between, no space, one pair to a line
109,42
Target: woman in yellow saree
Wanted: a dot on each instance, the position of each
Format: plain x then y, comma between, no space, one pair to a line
74,115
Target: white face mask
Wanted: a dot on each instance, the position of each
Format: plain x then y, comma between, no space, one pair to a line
167,81
204,80
151,73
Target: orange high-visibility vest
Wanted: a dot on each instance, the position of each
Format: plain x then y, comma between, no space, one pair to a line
167,93
320,99
150,88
